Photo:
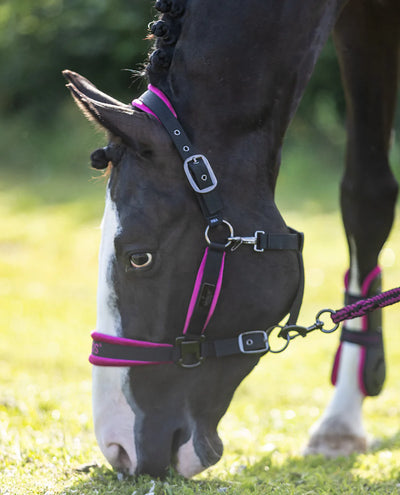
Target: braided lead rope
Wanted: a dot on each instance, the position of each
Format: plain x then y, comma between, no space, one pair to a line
364,306
360,308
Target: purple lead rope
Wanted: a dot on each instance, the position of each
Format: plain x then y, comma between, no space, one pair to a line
364,306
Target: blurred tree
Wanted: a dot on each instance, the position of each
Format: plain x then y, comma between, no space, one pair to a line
325,87
40,38
98,38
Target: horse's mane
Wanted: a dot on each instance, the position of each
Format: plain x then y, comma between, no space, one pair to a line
165,31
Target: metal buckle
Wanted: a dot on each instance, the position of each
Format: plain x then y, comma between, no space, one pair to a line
195,159
190,348
248,340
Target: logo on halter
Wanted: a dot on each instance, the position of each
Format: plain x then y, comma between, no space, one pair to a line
96,348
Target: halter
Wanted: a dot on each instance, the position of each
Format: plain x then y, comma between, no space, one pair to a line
192,347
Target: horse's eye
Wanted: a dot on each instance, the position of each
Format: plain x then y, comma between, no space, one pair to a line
140,260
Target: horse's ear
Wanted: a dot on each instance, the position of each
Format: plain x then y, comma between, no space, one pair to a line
135,128
87,88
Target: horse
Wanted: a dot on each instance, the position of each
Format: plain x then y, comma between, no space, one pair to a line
192,169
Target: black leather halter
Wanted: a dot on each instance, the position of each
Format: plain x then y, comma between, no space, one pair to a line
192,347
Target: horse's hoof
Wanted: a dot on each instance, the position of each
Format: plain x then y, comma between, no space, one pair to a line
335,440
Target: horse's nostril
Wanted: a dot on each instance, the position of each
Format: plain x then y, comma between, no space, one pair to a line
119,459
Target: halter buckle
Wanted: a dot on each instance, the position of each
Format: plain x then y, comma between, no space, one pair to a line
200,174
189,351
255,342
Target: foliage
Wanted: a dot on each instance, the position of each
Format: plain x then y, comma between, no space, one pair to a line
325,87
51,209
39,39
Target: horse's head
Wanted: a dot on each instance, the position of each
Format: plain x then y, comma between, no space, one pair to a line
152,416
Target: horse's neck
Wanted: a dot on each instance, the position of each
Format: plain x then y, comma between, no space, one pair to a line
238,73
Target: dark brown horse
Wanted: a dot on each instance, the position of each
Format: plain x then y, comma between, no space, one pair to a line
234,73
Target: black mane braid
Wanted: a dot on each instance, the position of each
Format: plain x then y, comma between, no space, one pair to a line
166,31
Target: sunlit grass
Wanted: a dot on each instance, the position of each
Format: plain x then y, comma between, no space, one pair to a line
48,271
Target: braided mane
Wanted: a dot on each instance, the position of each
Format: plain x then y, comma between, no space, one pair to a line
166,31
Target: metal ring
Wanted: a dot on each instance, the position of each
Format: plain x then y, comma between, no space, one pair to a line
321,323
230,232
281,349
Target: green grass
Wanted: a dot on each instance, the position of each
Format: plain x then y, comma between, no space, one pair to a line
50,210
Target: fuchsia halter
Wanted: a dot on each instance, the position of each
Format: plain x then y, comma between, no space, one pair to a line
191,348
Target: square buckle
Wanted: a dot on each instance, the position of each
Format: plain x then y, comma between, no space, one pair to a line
189,351
255,342
207,175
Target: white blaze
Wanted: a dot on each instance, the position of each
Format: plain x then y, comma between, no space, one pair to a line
113,417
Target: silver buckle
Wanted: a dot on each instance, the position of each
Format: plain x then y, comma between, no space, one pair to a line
195,158
245,341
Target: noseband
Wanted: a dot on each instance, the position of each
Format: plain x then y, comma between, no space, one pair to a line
192,347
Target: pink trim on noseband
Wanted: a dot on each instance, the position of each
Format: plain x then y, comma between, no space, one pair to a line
110,339
98,338
141,106
102,361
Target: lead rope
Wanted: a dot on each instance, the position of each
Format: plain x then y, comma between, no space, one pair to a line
364,306
349,312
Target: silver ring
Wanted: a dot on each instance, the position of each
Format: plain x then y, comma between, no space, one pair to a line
318,320
230,232
284,346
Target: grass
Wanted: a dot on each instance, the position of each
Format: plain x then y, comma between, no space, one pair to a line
50,210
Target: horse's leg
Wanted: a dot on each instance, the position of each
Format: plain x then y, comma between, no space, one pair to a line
367,42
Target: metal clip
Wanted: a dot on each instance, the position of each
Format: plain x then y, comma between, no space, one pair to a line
254,241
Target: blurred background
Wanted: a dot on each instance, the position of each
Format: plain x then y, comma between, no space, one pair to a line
50,210
41,132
